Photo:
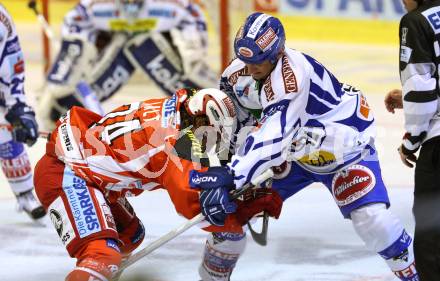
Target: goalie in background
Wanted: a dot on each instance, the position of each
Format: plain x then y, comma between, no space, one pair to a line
104,42
15,112
312,128
92,163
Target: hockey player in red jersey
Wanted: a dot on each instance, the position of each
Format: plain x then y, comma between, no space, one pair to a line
93,162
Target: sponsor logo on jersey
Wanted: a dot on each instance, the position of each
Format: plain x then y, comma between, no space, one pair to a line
351,184
266,40
364,108
5,20
318,158
81,204
246,52
168,111
104,14
164,13
270,95
404,34
289,77
65,137
405,54
140,25
60,220
234,76
229,106
433,17
55,217
12,47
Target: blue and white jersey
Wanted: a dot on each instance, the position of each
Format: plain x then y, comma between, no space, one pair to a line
90,16
308,117
11,62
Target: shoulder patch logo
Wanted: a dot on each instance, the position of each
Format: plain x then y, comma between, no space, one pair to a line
234,76
270,95
289,77
404,34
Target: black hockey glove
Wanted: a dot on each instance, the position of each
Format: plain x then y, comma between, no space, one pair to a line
24,125
215,185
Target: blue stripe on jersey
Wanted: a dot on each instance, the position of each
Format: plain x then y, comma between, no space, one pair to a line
320,70
315,106
11,47
259,163
268,142
355,121
282,107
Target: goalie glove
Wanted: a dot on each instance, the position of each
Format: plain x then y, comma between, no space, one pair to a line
24,125
256,201
215,185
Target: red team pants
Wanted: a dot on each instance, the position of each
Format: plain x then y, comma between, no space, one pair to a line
81,214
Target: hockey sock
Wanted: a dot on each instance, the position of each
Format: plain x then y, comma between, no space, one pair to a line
222,251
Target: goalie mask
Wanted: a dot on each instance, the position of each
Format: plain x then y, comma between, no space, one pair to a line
218,109
130,9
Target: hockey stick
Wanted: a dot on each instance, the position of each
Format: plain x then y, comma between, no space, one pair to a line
44,24
260,237
185,226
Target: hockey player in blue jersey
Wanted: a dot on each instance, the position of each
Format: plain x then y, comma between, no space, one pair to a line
311,128
15,112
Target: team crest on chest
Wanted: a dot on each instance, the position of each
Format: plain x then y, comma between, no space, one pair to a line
352,183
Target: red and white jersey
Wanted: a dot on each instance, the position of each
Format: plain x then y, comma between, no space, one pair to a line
132,147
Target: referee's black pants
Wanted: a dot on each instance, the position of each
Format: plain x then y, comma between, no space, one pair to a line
427,211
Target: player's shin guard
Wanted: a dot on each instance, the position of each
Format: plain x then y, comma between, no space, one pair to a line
99,260
222,251
383,232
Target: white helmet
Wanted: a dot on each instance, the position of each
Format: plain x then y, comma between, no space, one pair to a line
217,106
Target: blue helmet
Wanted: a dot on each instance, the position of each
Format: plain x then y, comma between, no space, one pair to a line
261,38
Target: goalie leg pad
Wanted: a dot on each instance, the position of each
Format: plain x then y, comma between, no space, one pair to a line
383,233
221,254
113,69
154,54
16,166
